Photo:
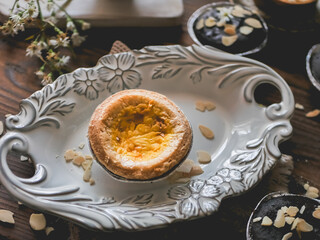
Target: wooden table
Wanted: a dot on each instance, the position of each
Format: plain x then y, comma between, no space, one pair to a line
285,53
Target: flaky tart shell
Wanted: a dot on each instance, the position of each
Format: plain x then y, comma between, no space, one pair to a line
102,139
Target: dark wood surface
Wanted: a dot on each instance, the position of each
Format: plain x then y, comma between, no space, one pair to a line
285,53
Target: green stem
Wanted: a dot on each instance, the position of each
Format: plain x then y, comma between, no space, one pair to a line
14,5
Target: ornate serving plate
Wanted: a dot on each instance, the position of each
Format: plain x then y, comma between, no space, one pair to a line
56,117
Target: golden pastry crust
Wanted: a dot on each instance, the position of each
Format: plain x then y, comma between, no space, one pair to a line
139,134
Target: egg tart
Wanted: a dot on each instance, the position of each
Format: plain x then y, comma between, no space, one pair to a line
139,135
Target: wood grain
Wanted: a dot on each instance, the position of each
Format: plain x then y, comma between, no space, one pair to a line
285,53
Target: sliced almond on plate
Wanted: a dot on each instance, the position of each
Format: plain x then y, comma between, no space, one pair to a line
201,106
316,213
237,13
206,132
242,10
253,22
70,155
186,166
229,40
78,160
245,30
203,157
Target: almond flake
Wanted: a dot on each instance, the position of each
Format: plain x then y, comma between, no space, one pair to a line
206,132
200,24
257,219
266,221
316,213
287,236
203,157
230,29
313,189
210,22
23,158
87,174
78,160
186,166
313,113
183,180
295,222
6,216
253,22
299,106
221,23
245,30
70,155
229,40
85,164
292,211
289,220
311,194
303,226
279,222
92,181
242,10
237,13
306,186
48,230
37,221
196,170
210,105
201,106
88,157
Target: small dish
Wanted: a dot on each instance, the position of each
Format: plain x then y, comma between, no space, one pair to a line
302,208
229,27
313,65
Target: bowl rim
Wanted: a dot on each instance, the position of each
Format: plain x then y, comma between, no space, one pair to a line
202,9
312,79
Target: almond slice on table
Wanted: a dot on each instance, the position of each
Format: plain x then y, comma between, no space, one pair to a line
252,22
313,113
37,221
206,132
229,40
6,216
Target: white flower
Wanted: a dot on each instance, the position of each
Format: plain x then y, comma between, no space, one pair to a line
63,40
50,6
40,74
15,18
62,61
33,50
85,26
225,14
53,42
42,45
70,25
77,40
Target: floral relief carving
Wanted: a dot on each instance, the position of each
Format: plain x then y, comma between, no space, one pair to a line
87,83
118,72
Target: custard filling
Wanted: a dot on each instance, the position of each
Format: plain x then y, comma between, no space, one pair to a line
141,132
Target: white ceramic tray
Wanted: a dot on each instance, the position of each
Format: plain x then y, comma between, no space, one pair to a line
56,118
